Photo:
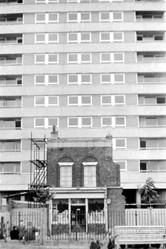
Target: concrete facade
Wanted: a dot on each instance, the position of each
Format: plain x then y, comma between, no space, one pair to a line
91,68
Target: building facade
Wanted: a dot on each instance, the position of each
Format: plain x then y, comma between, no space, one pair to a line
85,186
92,68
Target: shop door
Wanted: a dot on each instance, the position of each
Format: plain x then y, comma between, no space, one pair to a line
78,219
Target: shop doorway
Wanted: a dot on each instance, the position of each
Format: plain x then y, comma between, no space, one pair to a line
78,218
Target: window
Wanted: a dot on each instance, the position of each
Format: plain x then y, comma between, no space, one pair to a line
123,165
39,79
117,16
52,58
53,38
119,99
111,16
47,1
79,79
161,100
86,122
106,78
118,57
85,58
106,100
40,122
119,121
53,17
53,101
46,38
46,59
113,121
79,122
106,121
119,143
72,58
72,17
80,100
119,78
78,37
46,101
111,78
46,122
72,122
118,36
10,168
53,79
40,18
111,57
75,58
79,17
105,37
65,174
40,58
111,36
105,17
86,78
89,174
47,18
86,100
105,57
46,79
40,38
73,100
40,101
53,122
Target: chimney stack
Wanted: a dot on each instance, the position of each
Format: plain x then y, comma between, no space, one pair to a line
54,133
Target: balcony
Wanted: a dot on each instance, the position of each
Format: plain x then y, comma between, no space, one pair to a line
10,102
10,1
150,16
148,78
152,166
150,36
152,121
11,39
10,59
152,143
10,145
11,19
149,99
10,124
10,80
151,57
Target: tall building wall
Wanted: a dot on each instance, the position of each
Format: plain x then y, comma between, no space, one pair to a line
90,67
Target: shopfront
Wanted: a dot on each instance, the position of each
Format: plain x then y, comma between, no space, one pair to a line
85,214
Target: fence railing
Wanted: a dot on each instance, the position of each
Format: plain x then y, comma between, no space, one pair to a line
35,221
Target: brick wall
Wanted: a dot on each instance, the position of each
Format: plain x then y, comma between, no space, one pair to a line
107,172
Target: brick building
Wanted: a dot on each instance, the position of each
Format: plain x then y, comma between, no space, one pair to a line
84,181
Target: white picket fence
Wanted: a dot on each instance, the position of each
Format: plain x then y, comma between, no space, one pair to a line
38,218
145,217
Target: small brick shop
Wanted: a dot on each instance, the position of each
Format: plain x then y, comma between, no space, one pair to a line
85,184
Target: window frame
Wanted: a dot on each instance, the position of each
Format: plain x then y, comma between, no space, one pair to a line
87,165
63,165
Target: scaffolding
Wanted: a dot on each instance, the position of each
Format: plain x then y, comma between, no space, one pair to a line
38,167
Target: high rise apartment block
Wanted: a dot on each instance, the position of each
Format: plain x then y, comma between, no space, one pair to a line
92,68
